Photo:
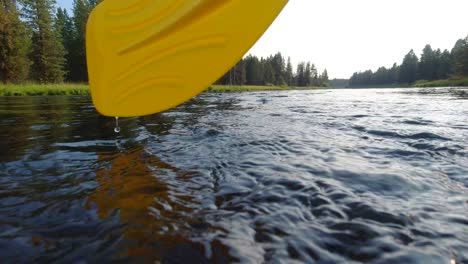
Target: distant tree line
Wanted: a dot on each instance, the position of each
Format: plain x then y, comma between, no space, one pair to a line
432,65
42,43
273,70
339,83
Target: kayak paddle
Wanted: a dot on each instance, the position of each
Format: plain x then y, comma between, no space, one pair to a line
147,56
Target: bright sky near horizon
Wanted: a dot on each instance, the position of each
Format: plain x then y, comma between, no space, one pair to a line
346,36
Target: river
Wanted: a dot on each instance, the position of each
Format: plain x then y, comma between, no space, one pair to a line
324,176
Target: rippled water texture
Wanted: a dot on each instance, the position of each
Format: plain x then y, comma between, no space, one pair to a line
328,176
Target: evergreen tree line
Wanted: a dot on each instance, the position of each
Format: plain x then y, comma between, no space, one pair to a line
42,43
273,70
432,65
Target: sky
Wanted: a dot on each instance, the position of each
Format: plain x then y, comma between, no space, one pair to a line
345,36
65,3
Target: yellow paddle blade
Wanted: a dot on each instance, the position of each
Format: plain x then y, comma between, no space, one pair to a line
147,56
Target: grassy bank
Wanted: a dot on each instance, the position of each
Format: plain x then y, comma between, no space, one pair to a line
81,89
373,86
443,83
43,89
251,88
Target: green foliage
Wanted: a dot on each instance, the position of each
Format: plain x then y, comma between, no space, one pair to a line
253,71
460,57
47,49
273,71
77,45
235,76
453,82
64,26
289,75
14,44
279,68
47,45
444,65
409,68
383,77
50,89
253,88
427,65
80,89
339,83
324,78
269,75
434,66
309,74
300,79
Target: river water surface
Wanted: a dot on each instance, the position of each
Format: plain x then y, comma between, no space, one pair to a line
328,176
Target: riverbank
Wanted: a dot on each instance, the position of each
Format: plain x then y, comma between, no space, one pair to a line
454,82
252,88
82,89
460,82
392,85
43,89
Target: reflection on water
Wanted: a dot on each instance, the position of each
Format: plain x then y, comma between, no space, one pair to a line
328,176
155,217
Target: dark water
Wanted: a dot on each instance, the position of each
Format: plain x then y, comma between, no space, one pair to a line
378,176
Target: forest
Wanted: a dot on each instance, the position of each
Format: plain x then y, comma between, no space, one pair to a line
41,43
433,64
274,70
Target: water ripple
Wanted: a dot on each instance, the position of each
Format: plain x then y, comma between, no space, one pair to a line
288,177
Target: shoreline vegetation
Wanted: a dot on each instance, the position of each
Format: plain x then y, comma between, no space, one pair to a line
461,82
68,89
433,68
83,89
452,82
43,89
255,88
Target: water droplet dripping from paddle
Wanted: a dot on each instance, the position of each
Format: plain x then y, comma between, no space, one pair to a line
117,128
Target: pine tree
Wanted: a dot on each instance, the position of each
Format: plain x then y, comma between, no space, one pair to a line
47,49
445,68
253,71
308,75
314,76
64,25
427,69
324,78
239,73
300,78
409,68
268,73
14,44
289,76
460,57
277,62
393,74
81,11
